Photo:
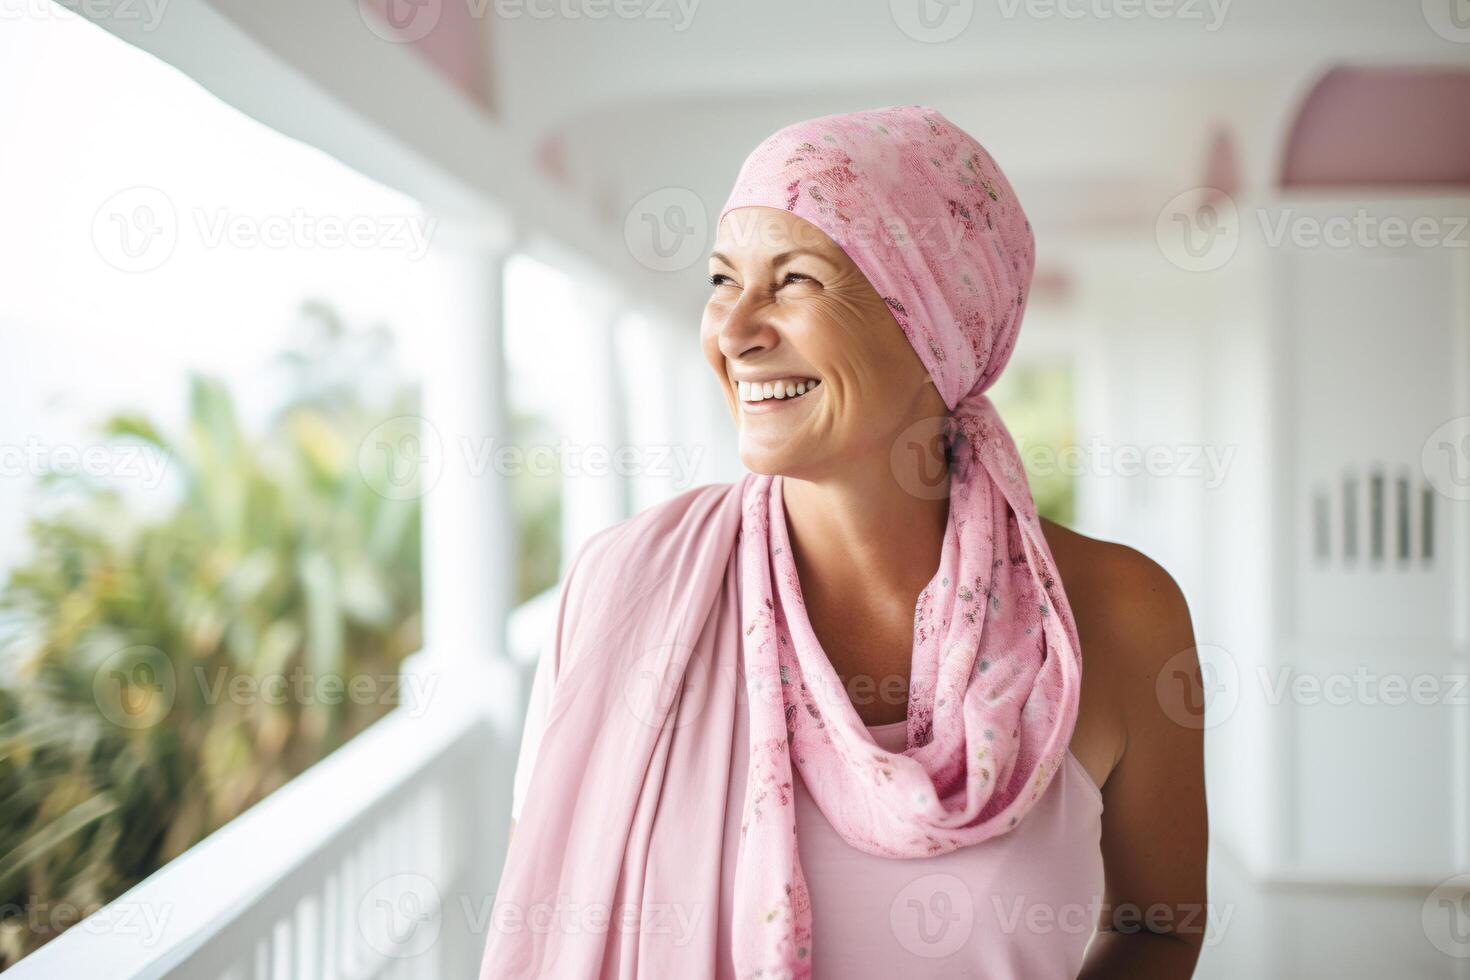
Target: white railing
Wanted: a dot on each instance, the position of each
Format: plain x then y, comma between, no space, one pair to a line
380,861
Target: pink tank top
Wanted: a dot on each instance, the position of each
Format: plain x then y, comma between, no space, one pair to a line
1021,905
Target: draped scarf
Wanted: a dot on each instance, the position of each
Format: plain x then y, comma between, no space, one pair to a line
670,618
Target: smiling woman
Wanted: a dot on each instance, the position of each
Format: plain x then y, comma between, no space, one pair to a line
723,650
788,305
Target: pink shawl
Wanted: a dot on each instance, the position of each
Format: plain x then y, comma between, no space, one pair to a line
667,619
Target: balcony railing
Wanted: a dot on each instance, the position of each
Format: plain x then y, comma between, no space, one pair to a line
379,861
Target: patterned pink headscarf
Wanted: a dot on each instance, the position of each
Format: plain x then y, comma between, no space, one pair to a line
928,217
626,804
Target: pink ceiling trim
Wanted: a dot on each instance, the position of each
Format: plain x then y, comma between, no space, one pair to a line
1395,127
446,34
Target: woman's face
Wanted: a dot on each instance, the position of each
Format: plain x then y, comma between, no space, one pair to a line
816,371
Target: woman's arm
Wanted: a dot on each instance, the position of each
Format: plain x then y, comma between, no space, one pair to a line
1155,832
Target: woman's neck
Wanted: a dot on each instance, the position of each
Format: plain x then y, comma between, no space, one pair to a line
863,534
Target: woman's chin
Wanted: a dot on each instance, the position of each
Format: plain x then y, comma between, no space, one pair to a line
770,457
761,462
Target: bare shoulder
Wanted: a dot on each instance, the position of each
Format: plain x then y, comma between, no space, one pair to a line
1134,623
1124,601
1140,733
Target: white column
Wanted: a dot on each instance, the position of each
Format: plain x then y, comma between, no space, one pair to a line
468,530
594,491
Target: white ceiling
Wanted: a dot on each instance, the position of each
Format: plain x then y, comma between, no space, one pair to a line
558,67
1097,120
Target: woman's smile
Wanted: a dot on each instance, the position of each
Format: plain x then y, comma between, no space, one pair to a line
758,396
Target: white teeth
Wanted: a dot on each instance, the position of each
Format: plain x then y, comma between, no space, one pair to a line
755,391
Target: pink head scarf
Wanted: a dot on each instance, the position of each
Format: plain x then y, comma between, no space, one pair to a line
626,804
928,217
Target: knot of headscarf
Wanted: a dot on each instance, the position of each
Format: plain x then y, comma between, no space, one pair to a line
928,217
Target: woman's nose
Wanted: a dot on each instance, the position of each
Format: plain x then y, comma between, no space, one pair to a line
747,328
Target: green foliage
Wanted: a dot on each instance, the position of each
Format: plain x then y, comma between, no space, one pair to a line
536,509
135,638
1036,403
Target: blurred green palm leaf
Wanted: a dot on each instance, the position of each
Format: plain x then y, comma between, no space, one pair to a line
129,633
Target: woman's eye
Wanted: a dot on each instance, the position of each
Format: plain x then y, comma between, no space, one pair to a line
720,279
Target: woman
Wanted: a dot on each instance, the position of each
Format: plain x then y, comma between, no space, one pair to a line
831,720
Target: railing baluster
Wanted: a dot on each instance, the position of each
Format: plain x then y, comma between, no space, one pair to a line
278,894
